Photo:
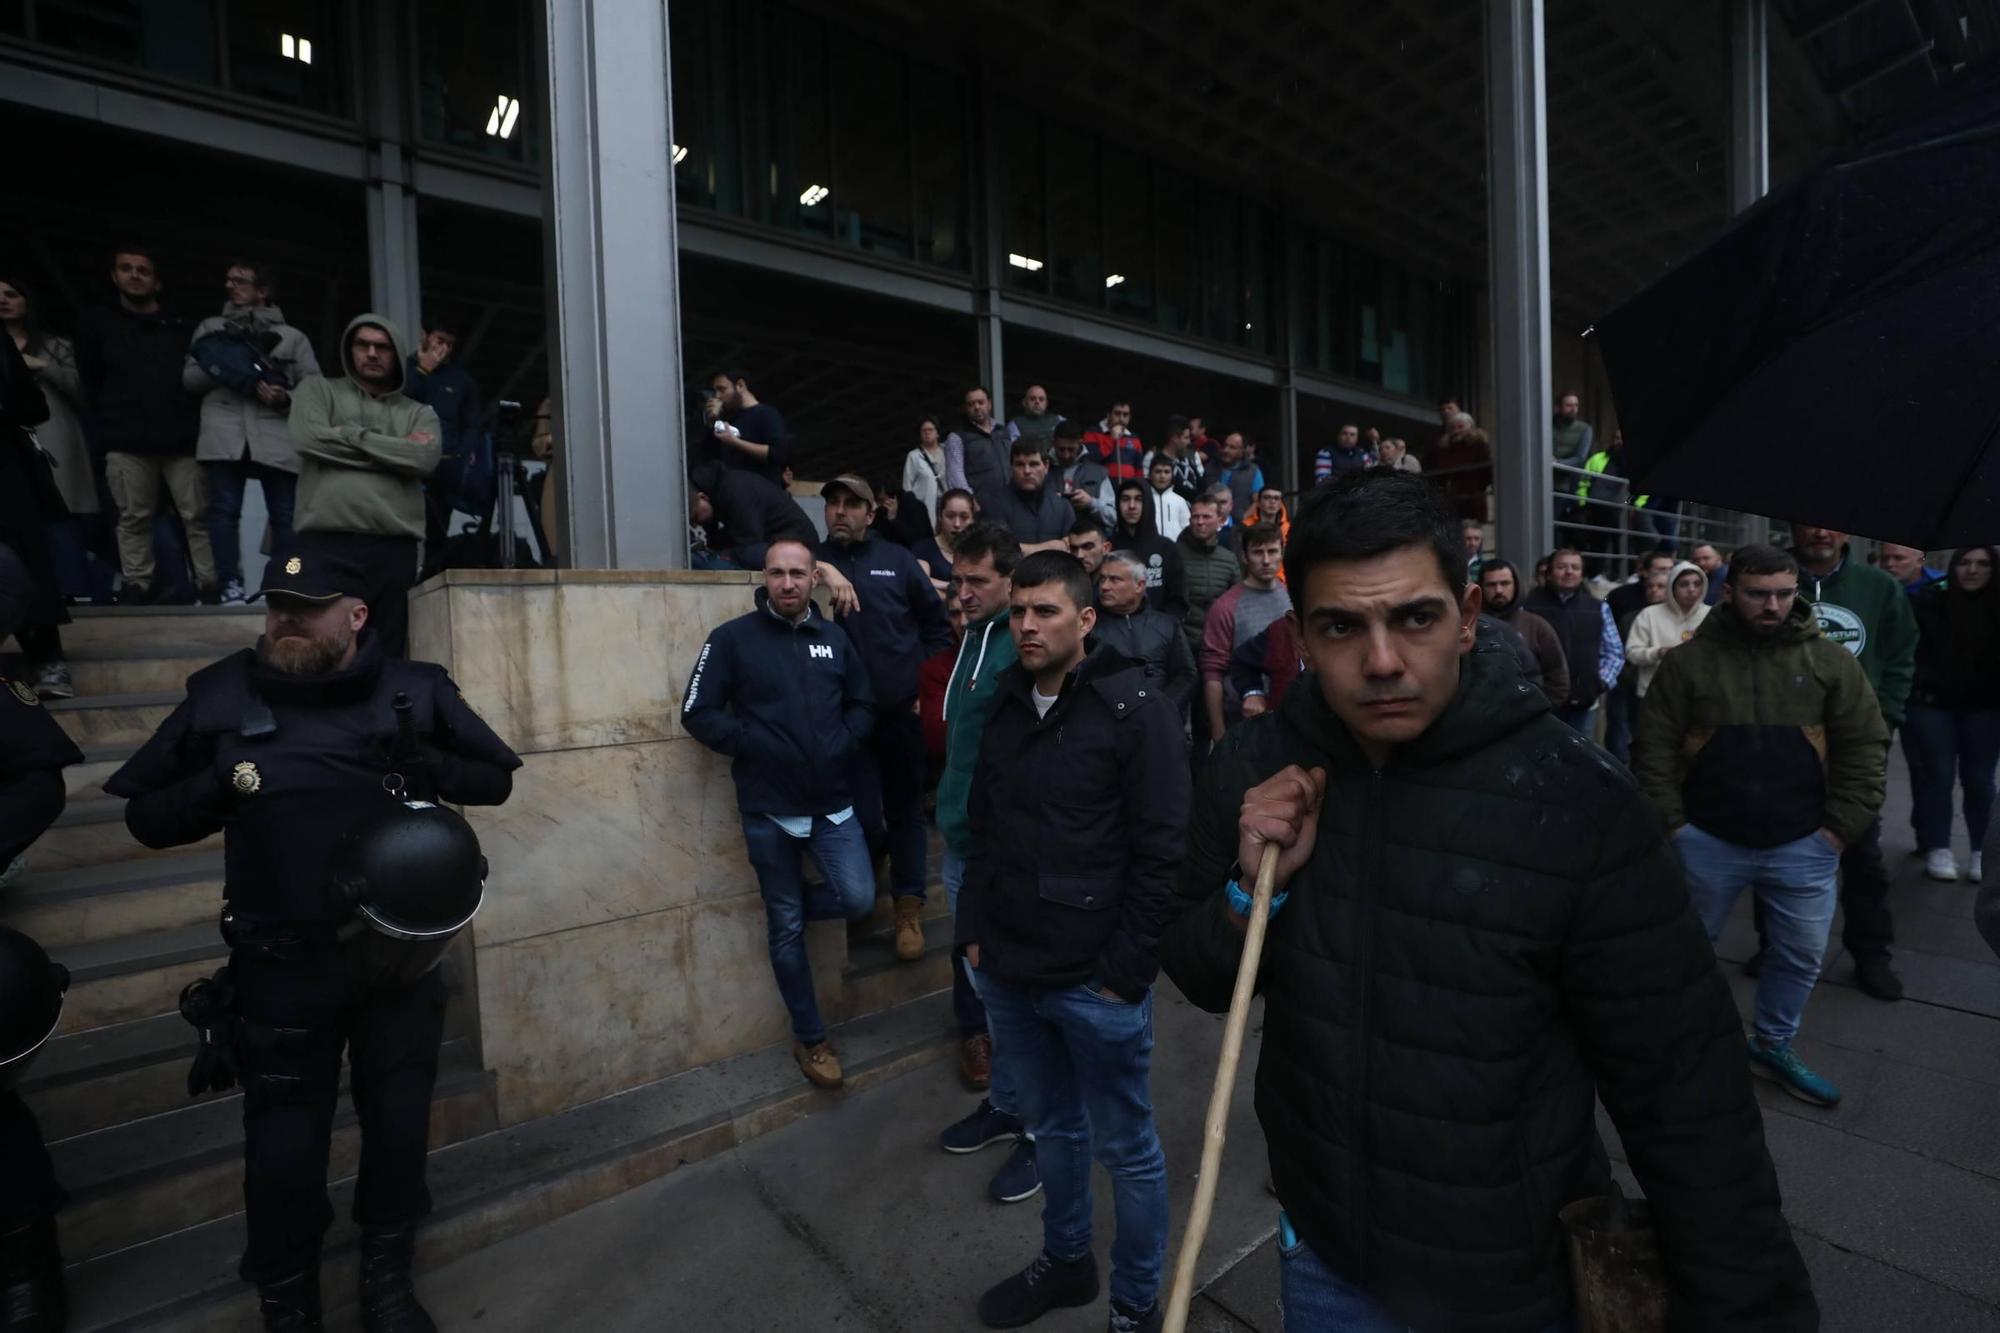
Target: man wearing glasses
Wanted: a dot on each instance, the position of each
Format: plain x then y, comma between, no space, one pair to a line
1763,748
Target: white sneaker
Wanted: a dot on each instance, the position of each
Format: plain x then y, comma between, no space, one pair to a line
1940,865
232,593
1976,869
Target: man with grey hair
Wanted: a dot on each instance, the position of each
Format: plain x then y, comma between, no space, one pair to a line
1131,628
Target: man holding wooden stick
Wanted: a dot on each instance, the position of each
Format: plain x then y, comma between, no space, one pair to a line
1481,928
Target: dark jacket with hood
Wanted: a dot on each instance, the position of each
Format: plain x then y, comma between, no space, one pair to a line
901,621
1077,820
787,703
1761,740
750,512
359,471
452,393
1958,643
130,365
1447,996
1166,575
285,797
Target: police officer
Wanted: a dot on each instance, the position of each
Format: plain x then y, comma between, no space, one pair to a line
33,753
288,747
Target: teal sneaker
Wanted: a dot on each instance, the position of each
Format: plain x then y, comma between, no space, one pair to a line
1781,1064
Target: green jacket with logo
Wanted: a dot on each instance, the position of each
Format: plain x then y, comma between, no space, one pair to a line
986,650
1762,740
1490,934
1867,612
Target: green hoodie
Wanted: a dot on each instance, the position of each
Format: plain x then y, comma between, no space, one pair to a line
986,650
359,470
1866,612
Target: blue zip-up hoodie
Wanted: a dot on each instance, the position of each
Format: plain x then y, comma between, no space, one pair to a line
797,700
901,621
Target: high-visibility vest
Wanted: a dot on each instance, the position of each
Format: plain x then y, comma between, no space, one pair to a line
1597,462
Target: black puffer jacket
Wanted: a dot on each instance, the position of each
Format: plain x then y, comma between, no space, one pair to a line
1491,929
1077,819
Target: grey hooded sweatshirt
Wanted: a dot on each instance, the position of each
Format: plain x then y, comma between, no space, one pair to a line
359,470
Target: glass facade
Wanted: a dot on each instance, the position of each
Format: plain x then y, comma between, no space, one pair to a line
1372,321
290,52
783,119
478,85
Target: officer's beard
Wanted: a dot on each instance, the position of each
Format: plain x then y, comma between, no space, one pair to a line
306,654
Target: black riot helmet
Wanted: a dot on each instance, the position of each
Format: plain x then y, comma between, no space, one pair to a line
31,1002
413,877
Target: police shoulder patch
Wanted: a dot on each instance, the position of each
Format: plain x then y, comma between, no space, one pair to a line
22,692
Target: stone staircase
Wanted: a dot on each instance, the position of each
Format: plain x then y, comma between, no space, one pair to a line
154,1225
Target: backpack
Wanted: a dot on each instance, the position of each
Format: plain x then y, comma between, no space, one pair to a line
234,359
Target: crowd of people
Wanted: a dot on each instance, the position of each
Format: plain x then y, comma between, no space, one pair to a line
1133,666
131,446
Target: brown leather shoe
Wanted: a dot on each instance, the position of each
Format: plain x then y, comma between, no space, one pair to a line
975,1062
819,1064
909,929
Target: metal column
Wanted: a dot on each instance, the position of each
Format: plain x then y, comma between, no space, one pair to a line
1517,191
990,256
1749,138
614,307
394,279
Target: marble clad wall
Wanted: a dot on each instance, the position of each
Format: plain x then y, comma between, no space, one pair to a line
622,938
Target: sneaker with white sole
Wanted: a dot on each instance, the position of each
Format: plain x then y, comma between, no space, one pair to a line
1975,869
1781,1064
987,1125
232,593
1018,1178
1941,865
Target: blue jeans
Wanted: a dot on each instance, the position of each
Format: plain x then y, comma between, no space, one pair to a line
1080,1061
846,893
1316,1299
226,484
1795,887
1619,707
966,1004
1945,745
1581,720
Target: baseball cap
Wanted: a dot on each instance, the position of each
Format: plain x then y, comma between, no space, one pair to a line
847,481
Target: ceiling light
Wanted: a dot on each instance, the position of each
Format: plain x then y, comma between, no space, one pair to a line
812,194
295,48
1113,279
1022,261
680,153
500,121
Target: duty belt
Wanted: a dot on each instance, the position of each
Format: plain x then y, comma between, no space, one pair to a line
286,941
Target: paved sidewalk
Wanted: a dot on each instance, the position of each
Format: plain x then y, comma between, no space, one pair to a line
853,1220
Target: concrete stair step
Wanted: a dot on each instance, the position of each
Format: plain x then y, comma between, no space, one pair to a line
498,1184
133,1182
85,781
76,905
221,628
143,666
113,719
133,976
91,832
876,979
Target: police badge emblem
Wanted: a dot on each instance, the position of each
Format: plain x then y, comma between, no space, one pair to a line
246,777
294,565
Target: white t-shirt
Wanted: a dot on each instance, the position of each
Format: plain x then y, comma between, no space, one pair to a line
1043,702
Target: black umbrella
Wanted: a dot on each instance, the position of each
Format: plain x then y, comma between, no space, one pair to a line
1834,356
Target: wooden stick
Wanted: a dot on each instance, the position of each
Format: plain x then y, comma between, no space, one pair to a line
1225,1087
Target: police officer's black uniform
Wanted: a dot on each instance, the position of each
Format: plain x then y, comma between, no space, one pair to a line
287,765
33,753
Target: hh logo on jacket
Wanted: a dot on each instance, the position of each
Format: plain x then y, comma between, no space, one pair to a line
821,650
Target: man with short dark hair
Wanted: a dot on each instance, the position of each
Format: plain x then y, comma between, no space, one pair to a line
1709,557
1061,919
1763,749
245,362
1153,639
1347,455
1212,566
1480,932
740,512
747,431
782,691
1113,444
1243,477
977,452
1077,477
448,388
1589,637
1236,617
1170,511
1034,511
1089,543
898,624
1188,465
365,448
1500,587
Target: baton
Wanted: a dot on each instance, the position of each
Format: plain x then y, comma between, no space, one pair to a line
1225,1085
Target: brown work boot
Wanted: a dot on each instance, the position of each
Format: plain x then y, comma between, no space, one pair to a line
975,1062
819,1064
909,929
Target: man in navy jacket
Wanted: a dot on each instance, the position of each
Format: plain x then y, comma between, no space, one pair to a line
784,694
900,622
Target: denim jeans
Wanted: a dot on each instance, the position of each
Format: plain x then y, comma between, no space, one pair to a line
1795,887
966,1004
846,893
1081,1062
1315,1299
888,783
1582,720
1947,745
226,484
1621,704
